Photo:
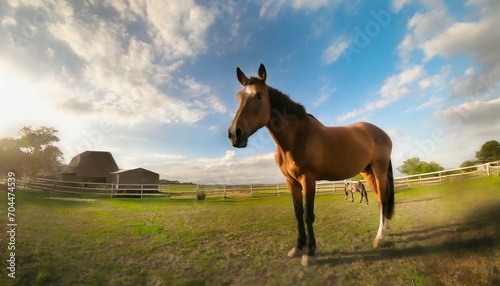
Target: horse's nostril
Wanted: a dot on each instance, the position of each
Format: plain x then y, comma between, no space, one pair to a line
238,132
229,134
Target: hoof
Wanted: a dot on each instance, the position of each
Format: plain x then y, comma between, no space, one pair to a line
295,252
378,242
308,260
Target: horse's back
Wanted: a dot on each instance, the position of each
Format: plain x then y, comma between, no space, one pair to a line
379,136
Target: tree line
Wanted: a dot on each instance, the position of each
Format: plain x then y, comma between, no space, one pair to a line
489,152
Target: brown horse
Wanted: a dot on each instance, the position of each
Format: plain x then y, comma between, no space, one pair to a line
307,151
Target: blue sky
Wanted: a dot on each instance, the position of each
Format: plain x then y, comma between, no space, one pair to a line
155,83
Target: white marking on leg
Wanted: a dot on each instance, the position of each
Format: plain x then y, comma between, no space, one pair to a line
380,238
307,260
295,252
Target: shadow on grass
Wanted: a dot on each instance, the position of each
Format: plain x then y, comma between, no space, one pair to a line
418,200
479,231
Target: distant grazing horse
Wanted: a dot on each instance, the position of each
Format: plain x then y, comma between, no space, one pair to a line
355,187
307,151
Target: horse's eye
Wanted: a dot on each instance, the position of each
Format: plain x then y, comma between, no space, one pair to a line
259,96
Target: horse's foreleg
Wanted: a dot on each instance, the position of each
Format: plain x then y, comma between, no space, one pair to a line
352,196
296,192
309,186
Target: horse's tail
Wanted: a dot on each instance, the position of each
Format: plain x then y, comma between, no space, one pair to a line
389,204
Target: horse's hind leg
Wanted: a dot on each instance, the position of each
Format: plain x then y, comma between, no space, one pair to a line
364,193
374,182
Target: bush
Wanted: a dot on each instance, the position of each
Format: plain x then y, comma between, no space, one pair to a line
200,196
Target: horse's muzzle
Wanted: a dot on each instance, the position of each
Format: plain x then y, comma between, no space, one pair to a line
237,137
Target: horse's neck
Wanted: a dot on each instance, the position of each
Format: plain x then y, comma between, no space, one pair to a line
284,129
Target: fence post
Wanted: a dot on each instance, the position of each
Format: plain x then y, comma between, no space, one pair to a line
54,187
488,169
333,187
112,186
142,190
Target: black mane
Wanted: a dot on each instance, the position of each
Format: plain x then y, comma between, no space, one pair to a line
282,102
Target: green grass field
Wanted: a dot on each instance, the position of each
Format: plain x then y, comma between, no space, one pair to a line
442,235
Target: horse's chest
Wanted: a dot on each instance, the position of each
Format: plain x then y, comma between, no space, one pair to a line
288,165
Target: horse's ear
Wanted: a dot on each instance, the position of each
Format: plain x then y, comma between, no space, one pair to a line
262,72
242,78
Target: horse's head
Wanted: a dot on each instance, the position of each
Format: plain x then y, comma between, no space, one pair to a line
254,111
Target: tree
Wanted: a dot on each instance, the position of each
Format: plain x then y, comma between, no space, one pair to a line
414,166
32,154
11,157
489,152
469,163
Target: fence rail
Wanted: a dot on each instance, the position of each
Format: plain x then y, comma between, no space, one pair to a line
254,190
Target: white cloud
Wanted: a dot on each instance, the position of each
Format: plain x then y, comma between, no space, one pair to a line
470,71
325,93
394,88
421,27
179,26
482,115
204,96
108,70
469,126
437,82
428,24
461,129
271,8
424,83
309,4
478,39
409,75
335,50
433,101
399,4
228,169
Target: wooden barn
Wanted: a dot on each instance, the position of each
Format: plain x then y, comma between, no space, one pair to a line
90,166
125,178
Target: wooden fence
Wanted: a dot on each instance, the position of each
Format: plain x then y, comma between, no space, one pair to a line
255,190
89,188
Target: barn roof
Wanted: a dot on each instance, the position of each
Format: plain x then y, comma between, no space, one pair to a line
133,170
92,164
